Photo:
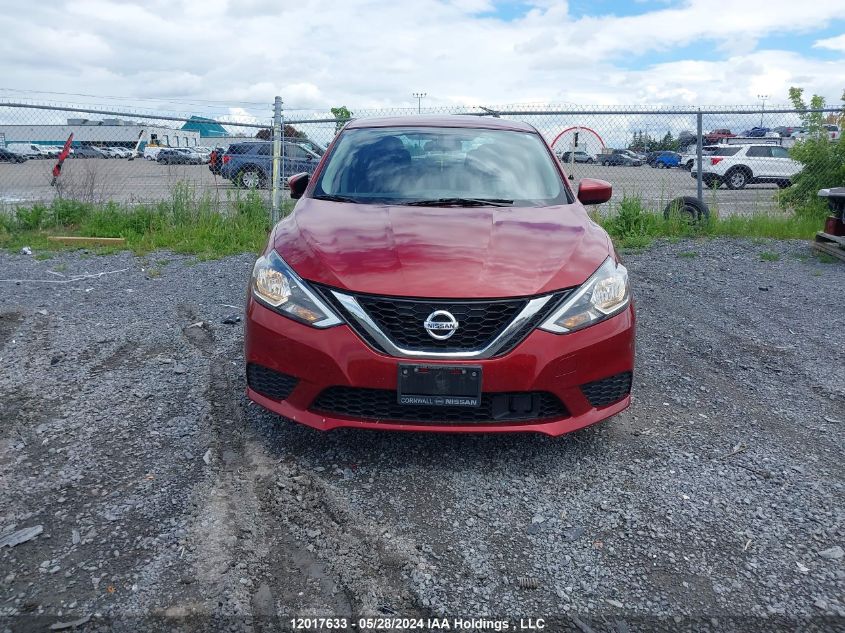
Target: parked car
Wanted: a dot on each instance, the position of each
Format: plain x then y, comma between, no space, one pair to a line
464,290
652,156
191,152
832,131
739,165
86,152
686,138
580,157
688,158
250,164
665,160
174,156
756,132
204,153
619,157
30,150
717,135
151,151
120,152
8,156
102,151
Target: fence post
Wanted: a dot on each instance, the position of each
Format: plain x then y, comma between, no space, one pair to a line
277,156
698,143
284,145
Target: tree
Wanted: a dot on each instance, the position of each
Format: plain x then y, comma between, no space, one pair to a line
813,121
266,134
342,114
823,159
668,142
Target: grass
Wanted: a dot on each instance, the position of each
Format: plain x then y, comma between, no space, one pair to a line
768,256
183,224
688,254
635,227
187,224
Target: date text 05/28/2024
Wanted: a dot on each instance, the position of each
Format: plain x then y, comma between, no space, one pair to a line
417,624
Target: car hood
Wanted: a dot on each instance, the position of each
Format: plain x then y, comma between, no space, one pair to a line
476,252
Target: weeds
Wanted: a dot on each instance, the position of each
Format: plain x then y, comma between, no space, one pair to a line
768,256
634,226
184,223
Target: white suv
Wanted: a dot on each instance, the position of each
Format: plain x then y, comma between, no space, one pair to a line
741,165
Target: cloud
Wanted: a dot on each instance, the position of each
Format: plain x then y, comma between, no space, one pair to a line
374,53
833,43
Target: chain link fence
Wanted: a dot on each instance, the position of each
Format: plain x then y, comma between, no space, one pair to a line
137,157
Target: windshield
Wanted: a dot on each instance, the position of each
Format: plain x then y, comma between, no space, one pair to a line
418,165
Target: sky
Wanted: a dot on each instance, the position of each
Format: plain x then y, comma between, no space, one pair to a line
232,57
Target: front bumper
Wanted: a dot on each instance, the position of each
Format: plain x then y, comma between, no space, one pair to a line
337,357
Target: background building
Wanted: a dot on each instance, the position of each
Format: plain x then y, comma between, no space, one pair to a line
105,132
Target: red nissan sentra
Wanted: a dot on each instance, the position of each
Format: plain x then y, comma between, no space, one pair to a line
439,274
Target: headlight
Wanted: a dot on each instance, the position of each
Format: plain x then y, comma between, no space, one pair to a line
277,286
604,294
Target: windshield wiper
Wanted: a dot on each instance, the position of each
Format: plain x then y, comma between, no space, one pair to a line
333,198
461,202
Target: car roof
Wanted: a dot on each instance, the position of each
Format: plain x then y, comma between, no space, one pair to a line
454,120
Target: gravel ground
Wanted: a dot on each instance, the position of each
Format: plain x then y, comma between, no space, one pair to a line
165,498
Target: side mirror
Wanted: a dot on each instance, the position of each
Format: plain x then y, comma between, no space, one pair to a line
594,191
298,183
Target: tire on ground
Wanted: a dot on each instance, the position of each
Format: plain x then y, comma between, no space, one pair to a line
688,207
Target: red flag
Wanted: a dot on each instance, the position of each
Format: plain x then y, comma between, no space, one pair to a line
62,156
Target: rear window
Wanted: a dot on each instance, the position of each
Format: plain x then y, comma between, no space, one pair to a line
241,148
404,165
724,151
759,152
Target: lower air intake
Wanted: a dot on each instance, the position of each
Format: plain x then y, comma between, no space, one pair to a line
608,390
270,383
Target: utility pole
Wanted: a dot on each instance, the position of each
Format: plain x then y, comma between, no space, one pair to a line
762,98
419,96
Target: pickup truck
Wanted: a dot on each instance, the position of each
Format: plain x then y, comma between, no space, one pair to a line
717,135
